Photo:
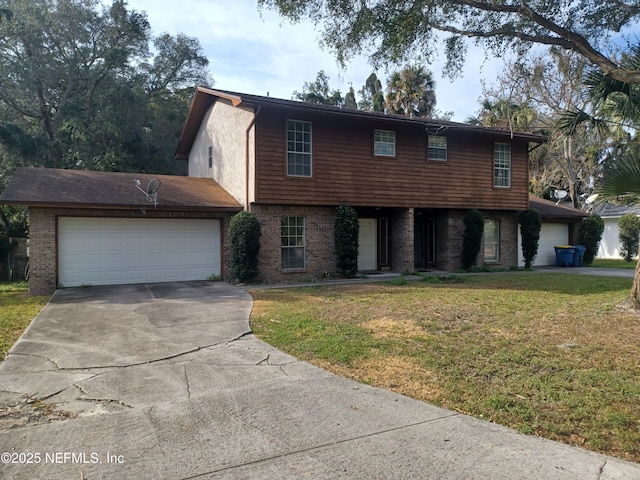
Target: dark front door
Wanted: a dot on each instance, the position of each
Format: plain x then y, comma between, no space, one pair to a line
424,242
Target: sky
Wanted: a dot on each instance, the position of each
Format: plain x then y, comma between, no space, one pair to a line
260,53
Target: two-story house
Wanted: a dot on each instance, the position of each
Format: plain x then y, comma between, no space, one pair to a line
411,180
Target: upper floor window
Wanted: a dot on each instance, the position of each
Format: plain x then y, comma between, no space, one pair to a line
437,147
210,156
384,143
298,148
502,165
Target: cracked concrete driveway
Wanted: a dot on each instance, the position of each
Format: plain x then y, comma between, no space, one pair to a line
166,382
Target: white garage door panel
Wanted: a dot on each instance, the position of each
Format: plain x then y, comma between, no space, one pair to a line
551,234
111,251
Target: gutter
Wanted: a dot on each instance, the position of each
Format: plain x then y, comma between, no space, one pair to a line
246,180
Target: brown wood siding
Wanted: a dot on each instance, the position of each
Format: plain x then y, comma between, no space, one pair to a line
346,171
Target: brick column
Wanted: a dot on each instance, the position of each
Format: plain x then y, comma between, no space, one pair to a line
42,251
402,240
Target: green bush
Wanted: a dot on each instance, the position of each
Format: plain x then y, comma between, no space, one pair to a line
629,235
530,225
590,235
244,239
346,240
472,238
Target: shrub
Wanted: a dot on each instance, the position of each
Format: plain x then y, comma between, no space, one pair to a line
629,235
590,235
346,240
530,225
244,239
472,238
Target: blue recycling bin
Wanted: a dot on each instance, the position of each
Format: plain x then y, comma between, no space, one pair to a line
578,255
564,256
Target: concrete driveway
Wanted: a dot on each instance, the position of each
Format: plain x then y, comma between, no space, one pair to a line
166,382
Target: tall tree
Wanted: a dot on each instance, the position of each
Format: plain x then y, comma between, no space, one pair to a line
548,85
372,95
503,113
411,91
79,88
402,30
319,91
53,52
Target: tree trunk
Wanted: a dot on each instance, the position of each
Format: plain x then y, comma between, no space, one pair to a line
635,289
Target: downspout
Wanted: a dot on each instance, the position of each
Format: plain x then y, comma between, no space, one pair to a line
246,181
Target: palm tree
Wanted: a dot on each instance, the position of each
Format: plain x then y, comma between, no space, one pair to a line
615,112
503,113
622,183
411,91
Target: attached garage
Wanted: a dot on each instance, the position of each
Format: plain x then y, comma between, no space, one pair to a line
111,251
551,234
560,226
100,228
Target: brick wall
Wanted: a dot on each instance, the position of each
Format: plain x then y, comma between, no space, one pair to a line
402,241
320,258
450,232
42,251
43,241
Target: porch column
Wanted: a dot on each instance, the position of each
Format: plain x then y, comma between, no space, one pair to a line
402,252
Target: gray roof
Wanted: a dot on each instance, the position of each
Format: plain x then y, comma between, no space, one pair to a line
89,189
613,210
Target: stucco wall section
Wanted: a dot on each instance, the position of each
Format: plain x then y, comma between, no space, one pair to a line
224,128
43,266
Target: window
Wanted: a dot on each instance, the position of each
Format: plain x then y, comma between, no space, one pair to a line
502,165
491,240
210,156
384,143
437,147
292,240
298,148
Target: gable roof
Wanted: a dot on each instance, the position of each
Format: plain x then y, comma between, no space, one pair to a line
612,210
89,189
549,210
205,97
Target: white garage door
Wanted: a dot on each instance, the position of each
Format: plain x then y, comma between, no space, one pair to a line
551,234
111,251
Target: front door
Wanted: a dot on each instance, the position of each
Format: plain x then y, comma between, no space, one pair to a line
424,242
367,245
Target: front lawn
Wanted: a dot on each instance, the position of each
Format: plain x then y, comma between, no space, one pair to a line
17,309
613,263
547,354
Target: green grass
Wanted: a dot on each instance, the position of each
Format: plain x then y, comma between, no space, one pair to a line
17,309
613,263
547,354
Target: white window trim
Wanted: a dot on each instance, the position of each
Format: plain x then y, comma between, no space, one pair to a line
445,149
384,142
310,153
303,246
495,167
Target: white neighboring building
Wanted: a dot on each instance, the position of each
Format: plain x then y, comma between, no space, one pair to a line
611,213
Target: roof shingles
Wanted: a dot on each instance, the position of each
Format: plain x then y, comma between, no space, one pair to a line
90,189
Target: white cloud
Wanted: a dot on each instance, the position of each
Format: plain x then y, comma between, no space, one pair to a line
253,53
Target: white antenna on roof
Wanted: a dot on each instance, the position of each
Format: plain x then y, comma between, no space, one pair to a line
152,190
